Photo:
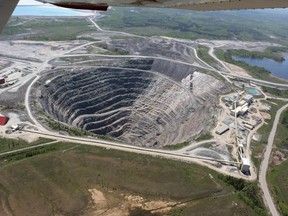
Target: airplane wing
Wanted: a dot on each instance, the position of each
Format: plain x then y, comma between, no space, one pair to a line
179,4
7,6
6,9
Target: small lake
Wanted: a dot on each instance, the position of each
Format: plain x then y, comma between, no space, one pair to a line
278,69
47,10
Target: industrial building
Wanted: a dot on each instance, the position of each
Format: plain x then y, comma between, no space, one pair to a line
241,107
245,165
248,98
240,110
221,129
245,162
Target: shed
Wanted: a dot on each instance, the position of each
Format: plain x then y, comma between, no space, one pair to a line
222,129
245,165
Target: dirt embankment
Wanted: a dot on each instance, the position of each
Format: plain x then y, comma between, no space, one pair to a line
111,204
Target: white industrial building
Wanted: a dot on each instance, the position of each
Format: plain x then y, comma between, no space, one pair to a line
248,98
245,165
240,110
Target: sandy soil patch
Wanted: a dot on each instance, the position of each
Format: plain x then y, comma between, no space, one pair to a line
265,115
112,204
278,158
36,50
227,44
237,69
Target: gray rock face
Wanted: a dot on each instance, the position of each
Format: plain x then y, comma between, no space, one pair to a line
138,107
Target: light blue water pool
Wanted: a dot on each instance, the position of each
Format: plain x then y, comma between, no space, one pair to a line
253,91
228,99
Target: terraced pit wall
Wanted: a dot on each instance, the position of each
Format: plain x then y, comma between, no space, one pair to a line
139,107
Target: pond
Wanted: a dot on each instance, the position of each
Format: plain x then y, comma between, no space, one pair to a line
278,69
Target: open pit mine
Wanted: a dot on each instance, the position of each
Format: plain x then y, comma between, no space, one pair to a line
144,108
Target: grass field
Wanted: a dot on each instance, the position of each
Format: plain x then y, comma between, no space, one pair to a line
57,178
278,182
10,144
203,54
247,25
46,29
177,146
281,137
229,205
275,92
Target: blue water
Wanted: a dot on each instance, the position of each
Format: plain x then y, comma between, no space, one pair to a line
46,11
278,69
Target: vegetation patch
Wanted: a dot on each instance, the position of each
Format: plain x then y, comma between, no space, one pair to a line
205,136
58,126
249,193
13,144
224,25
46,29
281,137
177,146
203,53
278,181
275,91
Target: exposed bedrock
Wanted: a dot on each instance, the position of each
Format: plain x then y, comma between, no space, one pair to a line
138,107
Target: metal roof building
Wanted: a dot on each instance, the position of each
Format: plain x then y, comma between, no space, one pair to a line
221,129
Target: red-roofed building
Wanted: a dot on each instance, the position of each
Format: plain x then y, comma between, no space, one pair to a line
3,120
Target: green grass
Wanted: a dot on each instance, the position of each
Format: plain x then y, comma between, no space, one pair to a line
56,179
177,146
281,137
278,182
226,25
205,136
203,53
47,29
11,144
275,92
230,204
247,192
58,126
225,205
